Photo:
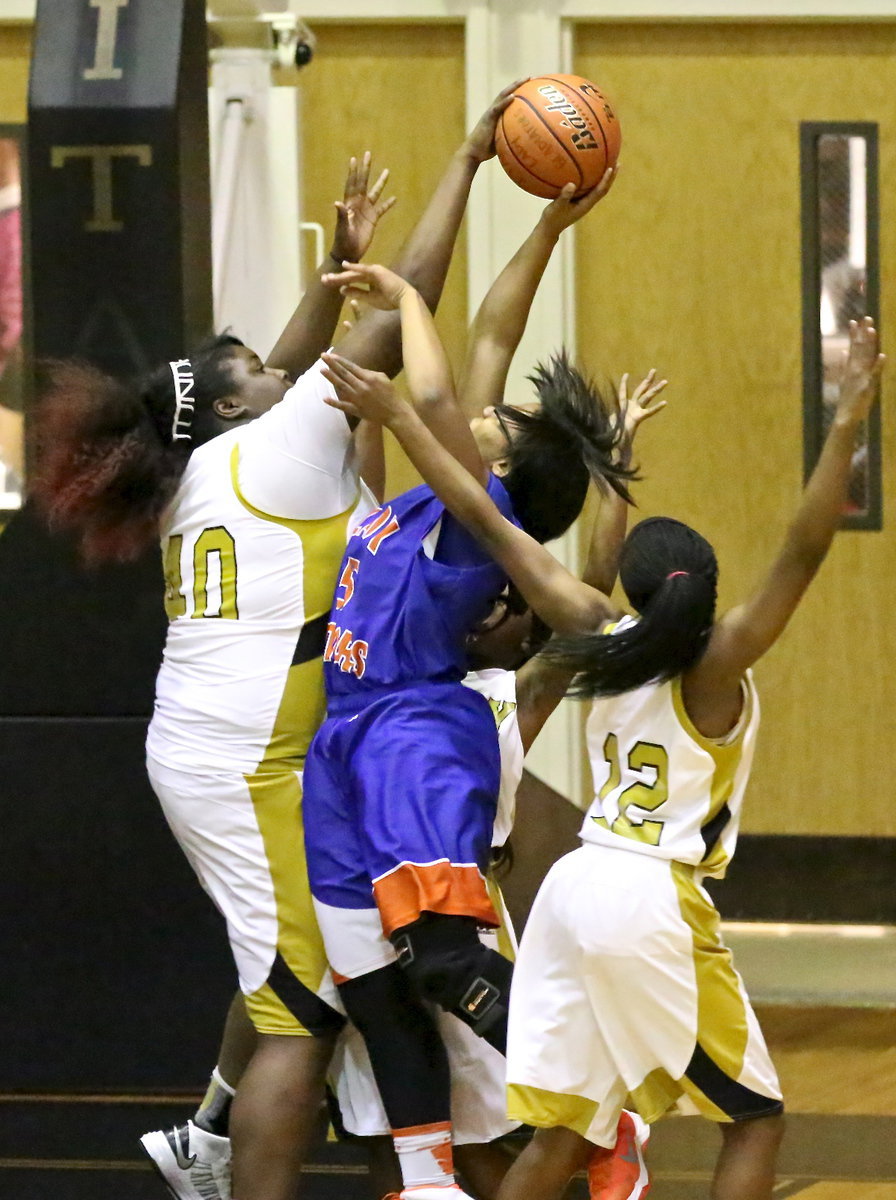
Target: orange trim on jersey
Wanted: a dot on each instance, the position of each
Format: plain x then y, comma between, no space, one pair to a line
337,978
440,887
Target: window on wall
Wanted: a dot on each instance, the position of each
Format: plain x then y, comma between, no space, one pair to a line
12,374
840,284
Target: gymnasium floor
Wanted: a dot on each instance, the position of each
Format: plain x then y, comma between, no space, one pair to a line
826,997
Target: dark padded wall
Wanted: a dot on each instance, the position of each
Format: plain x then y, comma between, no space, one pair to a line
115,967
116,973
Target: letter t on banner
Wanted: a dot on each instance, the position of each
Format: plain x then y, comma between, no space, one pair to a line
119,180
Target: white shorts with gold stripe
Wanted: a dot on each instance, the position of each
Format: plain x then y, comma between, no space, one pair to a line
243,837
624,996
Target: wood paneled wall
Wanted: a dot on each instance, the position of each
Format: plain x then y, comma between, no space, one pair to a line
692,265
398,91
15,56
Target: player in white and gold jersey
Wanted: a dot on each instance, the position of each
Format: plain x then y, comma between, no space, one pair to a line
251,483
623,986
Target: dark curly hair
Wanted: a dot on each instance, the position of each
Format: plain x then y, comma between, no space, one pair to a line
105,464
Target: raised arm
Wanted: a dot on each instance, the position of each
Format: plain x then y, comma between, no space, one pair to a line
744,634
424,259
426,365
564,602
310,329
501,320
541,683
608,533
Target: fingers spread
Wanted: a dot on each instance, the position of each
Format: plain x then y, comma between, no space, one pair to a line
644,384
374,193
351,179
340,372
363,172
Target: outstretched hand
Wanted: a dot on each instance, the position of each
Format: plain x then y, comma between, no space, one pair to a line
565,211
862,365
359,210
374,284
638,407
480,143
360,393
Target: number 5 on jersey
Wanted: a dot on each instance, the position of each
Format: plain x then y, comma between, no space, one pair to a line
346,586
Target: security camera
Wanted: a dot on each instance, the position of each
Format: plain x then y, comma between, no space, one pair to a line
293,41
304,51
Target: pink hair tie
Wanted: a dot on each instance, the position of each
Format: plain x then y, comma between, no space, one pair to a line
672,574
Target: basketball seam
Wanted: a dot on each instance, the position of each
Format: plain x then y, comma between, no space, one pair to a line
510,150
547,125
523,167
572,87
584,100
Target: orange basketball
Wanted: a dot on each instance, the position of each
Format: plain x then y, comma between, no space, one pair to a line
557,129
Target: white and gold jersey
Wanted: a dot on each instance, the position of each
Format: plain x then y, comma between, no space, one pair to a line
499,688
661,787
252,544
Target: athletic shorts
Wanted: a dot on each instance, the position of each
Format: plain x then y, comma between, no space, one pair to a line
400,796
623,988
243,837
478,1071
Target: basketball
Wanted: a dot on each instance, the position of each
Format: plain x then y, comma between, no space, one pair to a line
557,129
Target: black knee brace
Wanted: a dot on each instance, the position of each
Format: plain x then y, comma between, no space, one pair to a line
405,1048
448,965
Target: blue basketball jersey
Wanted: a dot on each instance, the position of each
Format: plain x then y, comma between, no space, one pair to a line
399,614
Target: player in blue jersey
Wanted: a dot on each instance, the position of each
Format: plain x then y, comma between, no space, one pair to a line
401,780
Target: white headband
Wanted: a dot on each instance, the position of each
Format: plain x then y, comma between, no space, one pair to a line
182,371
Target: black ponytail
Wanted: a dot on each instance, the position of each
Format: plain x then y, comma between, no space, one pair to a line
669,573
577,434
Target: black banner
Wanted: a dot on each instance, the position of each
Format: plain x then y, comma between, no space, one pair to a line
119,181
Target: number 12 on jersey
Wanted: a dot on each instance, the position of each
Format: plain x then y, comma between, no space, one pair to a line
640,798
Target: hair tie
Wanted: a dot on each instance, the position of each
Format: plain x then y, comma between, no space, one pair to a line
672,574
184,400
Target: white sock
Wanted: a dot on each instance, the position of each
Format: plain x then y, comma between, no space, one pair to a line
425,1155
213,1113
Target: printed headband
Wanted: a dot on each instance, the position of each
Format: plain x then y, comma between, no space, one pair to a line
184,401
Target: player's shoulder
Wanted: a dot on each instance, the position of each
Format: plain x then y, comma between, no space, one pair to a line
493,683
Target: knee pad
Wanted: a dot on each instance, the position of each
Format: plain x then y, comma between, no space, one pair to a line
448,965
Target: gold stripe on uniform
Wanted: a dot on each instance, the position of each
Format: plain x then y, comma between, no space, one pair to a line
722,1029
545,1110
302,706
505,942
275,788
726,759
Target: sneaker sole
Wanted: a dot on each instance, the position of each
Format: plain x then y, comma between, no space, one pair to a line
155,1147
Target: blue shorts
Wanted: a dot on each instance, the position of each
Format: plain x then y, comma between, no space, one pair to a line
400,792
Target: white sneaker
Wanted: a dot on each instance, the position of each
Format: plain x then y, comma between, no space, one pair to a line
433,1191
194,1164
